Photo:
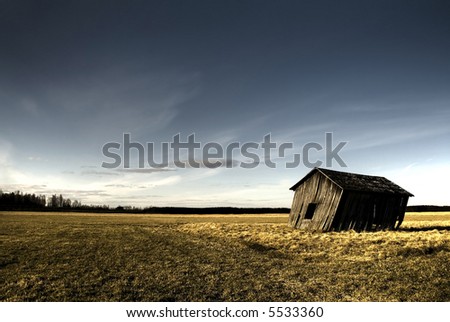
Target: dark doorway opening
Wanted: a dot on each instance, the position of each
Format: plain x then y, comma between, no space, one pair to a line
310,210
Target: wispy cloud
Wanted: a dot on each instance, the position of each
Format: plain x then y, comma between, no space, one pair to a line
5,152
29,106
137,170
123,98
98,173
35,158
391,133
117,185
212,163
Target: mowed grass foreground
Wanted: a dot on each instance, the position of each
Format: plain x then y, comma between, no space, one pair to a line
96,257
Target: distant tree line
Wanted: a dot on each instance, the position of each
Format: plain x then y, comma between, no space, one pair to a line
214,210
183,210
25,201
425,208
18,200
56,201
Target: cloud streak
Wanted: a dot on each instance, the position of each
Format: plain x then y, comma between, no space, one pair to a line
138,170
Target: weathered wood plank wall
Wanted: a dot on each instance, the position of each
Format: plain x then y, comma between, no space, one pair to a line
319,190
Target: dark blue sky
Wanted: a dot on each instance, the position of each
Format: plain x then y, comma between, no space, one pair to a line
77,74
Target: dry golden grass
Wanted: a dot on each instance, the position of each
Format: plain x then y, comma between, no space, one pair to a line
104,257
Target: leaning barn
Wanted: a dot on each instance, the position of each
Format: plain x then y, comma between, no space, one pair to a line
327,200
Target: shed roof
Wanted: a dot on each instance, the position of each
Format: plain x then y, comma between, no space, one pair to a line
357,182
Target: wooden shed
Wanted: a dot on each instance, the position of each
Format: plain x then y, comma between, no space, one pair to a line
328,200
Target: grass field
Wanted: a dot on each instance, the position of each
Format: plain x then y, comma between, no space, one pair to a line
96,257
